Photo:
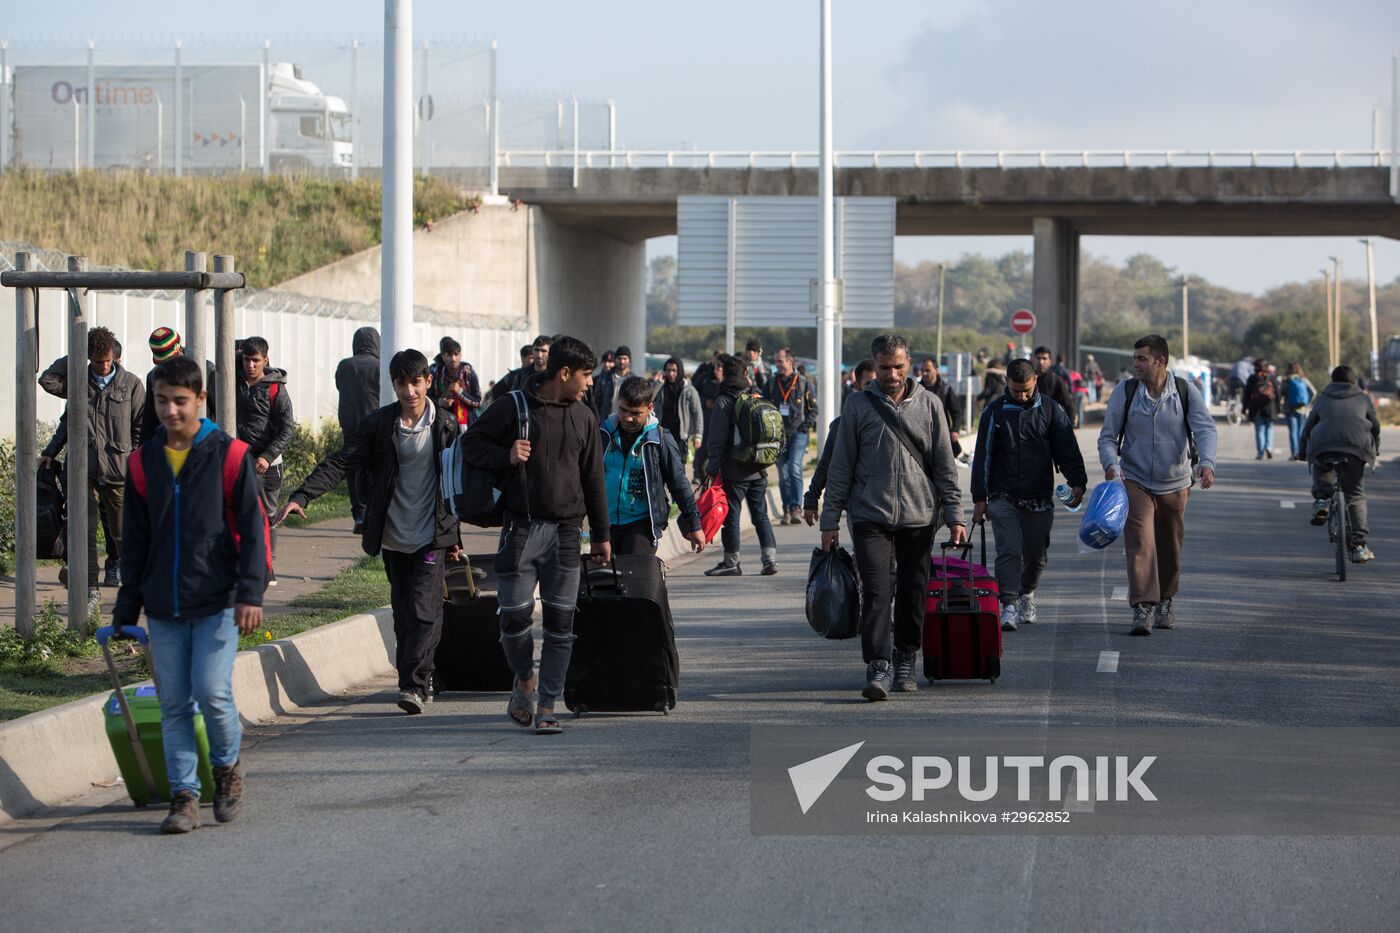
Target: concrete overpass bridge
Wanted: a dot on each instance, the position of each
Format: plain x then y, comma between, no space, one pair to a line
1055,196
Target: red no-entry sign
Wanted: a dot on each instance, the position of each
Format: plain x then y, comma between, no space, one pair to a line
1023,321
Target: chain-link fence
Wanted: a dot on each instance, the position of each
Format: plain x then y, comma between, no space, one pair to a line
211,106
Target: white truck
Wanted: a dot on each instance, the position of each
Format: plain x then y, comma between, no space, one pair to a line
223,117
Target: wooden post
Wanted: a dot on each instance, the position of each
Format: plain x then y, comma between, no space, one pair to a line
226,403
196,342
77,455
26,506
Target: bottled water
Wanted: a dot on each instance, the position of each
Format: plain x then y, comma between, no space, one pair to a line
1066,496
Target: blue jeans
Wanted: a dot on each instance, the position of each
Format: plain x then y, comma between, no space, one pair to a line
790,471
193,662
754,492
1263,435
1295,430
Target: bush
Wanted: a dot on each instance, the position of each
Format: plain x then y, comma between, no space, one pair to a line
306,450
51,644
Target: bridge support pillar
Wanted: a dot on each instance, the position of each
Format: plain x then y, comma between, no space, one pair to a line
589,284
1055,289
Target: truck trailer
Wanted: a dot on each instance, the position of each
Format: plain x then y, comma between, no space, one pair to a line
201,119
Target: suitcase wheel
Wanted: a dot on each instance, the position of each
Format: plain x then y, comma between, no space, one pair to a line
991,680
579,710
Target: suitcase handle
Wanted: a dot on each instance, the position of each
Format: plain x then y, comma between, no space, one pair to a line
967,545
108,633
618,585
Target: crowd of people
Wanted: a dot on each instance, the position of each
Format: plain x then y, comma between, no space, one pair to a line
190,514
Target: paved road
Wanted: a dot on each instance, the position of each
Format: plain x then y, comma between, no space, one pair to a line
363,819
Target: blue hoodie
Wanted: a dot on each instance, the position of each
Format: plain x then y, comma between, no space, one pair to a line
637,482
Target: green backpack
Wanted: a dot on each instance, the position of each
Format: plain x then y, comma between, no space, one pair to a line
759,436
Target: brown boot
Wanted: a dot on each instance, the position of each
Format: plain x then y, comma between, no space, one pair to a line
184,814
228,792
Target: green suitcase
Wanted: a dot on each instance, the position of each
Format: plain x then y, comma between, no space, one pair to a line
133,727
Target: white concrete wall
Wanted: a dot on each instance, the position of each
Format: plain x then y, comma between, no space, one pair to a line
307,345
589,285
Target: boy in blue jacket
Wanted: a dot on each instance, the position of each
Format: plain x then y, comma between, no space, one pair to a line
195,558
641,461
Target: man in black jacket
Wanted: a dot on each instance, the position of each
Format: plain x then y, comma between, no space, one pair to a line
407,522
933,381
605,392
357,381
743,482
516,378
552,478
1052,386
265,424
1021,439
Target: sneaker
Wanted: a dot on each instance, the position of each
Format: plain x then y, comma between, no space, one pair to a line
410,702
770,567
1163,616
1025,608
113,575
1008,617
725,569
1142,620
905,680
183,816
272,578
228,792
1360,554
877,677
1269,452
94,600
1320,509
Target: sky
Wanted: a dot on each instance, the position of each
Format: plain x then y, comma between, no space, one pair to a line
964,74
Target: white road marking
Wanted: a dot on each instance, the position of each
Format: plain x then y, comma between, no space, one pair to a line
1287,504
1108,662
1120,592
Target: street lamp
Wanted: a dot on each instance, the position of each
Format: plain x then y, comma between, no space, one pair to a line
1327,296
1371,289
1336,310
938,349
1185,319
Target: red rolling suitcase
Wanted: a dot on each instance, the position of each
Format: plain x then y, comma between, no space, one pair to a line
962,624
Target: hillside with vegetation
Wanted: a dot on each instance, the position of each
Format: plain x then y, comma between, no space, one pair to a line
275,228
1118,304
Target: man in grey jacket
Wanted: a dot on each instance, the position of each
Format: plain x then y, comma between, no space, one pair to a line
1343,423
896,499
1150,442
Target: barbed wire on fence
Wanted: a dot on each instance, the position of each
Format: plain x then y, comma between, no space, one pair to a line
271,299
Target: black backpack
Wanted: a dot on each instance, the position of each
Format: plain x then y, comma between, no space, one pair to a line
476,495
51,523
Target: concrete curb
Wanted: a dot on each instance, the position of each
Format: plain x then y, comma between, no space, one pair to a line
52,756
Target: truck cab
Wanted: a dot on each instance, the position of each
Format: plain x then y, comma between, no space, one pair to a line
310,130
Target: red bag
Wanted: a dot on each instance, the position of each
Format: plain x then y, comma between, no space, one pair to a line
713,505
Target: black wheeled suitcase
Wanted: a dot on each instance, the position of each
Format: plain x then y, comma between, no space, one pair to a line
469,655
624,657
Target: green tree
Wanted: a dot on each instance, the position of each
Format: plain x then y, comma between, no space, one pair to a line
661,291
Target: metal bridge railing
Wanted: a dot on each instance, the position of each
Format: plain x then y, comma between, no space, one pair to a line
950,158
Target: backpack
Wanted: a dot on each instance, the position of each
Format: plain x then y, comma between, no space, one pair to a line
1130,389
1296,392
476,495
51,518
1264,388
759,435
233,464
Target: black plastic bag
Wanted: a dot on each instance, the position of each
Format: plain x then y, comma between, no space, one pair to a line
833,599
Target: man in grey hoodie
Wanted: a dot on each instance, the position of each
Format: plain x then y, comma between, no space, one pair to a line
1156,431
1343,422
896,499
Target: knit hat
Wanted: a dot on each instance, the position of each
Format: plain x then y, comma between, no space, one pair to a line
624,350
164,343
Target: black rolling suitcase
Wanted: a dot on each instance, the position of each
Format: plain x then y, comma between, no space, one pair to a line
624,656
469,655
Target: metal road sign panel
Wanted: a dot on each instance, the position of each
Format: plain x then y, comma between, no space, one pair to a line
755,257
1023,321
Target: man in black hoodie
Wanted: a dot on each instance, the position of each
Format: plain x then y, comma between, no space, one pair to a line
407,522
553,478
1052,386
516,378
265,424
357,381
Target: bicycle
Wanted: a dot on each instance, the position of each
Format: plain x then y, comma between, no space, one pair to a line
1338,532
1234,411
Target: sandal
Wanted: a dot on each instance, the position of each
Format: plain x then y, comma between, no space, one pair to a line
520,702
547,724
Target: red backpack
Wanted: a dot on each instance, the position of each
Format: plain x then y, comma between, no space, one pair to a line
233,463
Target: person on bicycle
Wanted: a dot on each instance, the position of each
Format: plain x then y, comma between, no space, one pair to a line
1343,424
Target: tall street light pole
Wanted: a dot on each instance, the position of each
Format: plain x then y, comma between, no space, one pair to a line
396,205
827,352
1327,297
1185,319
1371,290
1336,310
938,349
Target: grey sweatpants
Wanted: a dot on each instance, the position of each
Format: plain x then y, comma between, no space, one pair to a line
1023,540
544,554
